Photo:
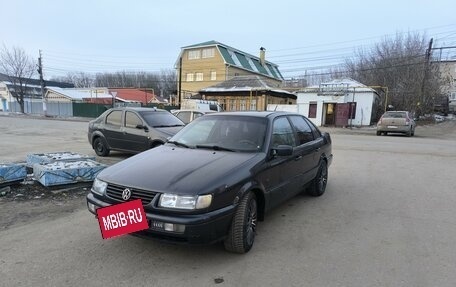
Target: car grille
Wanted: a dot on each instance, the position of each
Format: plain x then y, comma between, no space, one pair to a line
115,192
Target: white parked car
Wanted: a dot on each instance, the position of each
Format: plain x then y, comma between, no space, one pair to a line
189,115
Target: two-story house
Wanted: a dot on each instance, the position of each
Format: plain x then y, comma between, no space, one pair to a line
207,64
448,73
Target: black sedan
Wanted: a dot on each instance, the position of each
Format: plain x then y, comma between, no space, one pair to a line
131,129
219,175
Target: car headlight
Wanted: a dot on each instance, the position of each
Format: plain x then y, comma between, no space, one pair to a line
185,201
99,187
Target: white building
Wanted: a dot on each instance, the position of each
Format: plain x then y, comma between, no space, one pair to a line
341,102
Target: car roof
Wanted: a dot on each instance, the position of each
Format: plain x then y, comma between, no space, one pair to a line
259,114
193,110
139,109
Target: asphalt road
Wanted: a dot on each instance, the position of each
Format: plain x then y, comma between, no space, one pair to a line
387,219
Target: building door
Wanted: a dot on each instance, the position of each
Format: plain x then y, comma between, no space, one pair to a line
329,115
342,115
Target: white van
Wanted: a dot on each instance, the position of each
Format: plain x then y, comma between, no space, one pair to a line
203,105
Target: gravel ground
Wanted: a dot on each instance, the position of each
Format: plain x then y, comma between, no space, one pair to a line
26,201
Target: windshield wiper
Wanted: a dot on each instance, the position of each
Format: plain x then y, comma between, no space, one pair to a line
167,126
214,147
178,144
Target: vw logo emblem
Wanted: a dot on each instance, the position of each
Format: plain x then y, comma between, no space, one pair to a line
126,194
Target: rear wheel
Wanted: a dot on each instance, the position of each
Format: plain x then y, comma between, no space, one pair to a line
379,133
242,231
409,133
100,147
318,185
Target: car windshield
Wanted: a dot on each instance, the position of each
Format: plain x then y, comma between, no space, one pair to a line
224,132
395,115
161,119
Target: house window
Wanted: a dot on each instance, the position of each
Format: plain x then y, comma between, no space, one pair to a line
199,77
222,103
243,105
232,105
213,75
208,53
190,77
194,54
312,111
253,105
352,110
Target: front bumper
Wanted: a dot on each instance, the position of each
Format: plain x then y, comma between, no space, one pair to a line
203,228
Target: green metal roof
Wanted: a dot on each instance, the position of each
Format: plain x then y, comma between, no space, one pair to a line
243,61
237,58
226,55
208,43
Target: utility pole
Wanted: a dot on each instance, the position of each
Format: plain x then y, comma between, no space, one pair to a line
40,71
426,71
180,81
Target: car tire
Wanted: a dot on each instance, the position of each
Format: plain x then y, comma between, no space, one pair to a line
409,133
318,184
100,147
379,133
413,132
242,230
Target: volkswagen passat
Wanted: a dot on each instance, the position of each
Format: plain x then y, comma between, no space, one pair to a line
219,175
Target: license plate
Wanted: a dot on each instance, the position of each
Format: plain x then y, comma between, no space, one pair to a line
122,218
392,127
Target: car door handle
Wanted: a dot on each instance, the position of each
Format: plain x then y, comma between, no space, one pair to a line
317,149
298,157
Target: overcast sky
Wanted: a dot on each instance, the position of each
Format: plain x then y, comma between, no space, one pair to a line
96,36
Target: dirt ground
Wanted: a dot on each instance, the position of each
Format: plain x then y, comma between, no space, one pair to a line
29,201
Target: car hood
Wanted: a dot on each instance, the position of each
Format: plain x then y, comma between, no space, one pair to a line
179,170
169,131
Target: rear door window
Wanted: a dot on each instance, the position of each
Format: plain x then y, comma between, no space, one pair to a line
303,130
114,118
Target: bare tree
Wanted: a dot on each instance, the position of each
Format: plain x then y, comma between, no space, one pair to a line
19,68
400,64
163,83
78,79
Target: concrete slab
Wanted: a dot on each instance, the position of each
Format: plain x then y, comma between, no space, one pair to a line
12,172
41,158
67,172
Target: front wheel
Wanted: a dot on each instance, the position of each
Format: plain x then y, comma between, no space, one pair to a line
318,185
242,231
101,149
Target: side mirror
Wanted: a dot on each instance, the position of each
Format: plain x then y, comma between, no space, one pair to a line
326,137
282,150
141,127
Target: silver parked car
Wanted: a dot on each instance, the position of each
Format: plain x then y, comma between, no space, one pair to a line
131,129
396,122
